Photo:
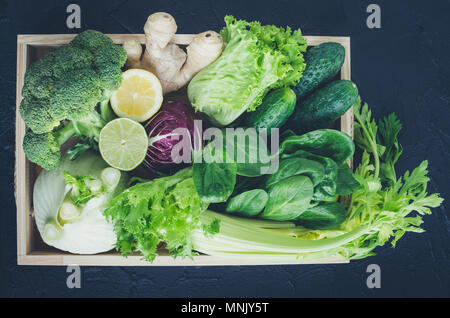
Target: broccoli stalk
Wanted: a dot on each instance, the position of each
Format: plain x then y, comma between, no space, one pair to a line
105,110
107,113
66,93
45,148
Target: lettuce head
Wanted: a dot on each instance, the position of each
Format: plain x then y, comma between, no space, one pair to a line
256,59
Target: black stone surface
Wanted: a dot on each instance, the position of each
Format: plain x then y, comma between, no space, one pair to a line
402,67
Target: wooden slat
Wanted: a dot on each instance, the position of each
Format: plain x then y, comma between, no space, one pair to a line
22,166
115,259
23,174
347,118
59,39
181,39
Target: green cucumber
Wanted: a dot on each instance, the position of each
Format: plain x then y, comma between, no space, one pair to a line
323,62
274,111
323,107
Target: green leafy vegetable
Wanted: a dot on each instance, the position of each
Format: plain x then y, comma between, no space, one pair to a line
326,189
214,178
248,203
256,59
161,210
385,209
83,145
330,143
378,213
389,128
346,183
288,198
250,155
322,216
297,166
84,188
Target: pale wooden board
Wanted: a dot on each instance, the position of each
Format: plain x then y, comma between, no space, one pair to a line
27,251
114,259
59,39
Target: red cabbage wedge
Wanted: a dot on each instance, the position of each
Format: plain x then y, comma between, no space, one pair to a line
173,122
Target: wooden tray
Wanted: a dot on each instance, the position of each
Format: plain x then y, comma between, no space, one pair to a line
30,248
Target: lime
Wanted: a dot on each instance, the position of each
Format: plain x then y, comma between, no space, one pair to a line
123,144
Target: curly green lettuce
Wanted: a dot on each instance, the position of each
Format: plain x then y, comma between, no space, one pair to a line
256,59
161,210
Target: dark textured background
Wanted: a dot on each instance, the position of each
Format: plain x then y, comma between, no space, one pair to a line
402,67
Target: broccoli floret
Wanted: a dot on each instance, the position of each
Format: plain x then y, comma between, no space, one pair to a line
104,62
62,90
44,149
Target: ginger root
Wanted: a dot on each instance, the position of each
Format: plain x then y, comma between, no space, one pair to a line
134,53
171,64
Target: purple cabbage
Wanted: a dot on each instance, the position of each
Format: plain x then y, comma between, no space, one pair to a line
161,129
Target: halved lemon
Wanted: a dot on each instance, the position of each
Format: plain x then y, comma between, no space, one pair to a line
139,96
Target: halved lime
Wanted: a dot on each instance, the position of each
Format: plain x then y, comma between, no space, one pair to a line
123,144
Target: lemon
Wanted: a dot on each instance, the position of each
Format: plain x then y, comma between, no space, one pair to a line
139,96
123,144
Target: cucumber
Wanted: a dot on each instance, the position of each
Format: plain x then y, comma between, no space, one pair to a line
323,107
323,62
274,111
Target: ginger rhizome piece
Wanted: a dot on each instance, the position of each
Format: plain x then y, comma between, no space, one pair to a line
171,64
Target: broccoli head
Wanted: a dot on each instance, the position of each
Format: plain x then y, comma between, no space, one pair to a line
65,86
44,149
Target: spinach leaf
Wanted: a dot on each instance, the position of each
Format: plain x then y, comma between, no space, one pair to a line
248,203
246,154
214,181
248,183
322,217
346,183
288,198
297,166
330,143
326,189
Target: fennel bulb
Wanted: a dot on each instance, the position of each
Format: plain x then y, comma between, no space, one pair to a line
69,201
